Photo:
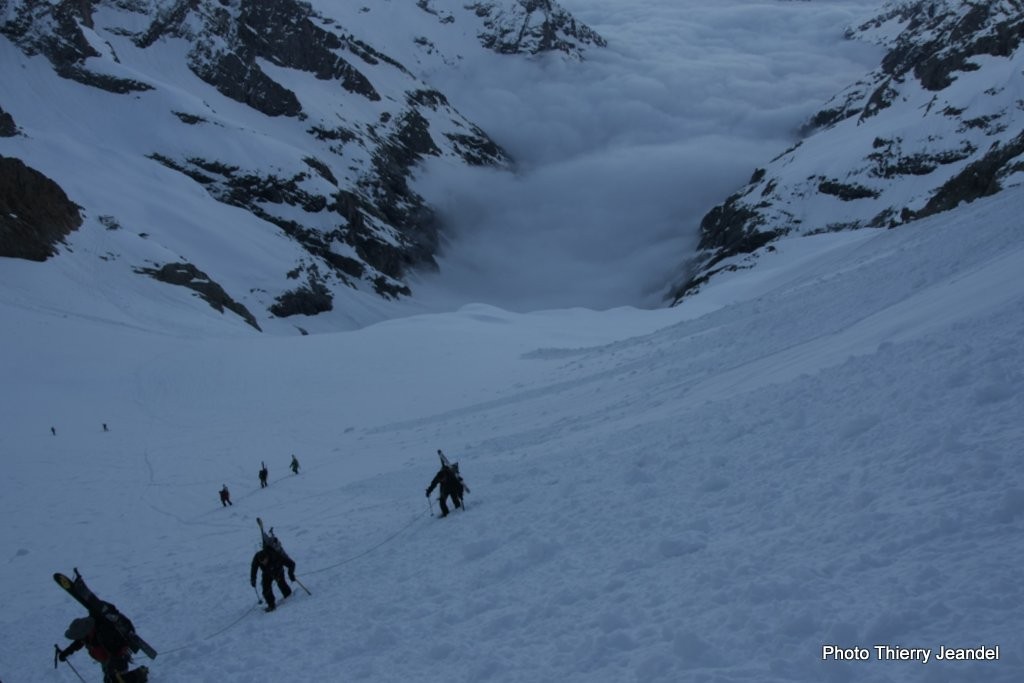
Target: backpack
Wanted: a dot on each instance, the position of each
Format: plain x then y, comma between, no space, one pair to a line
113,629
272,544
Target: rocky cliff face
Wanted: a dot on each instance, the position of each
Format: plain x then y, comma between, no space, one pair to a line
940,122
517,26
532,26
344,125
35,213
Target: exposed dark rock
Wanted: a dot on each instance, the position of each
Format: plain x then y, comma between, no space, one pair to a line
311,299
700,273
951,38
726,227
846,191
8,128
865,145
109,222
890,162
234,37
282,32
726,231
979,179
62,41
340,134
476,150
532,27
250,190
244,81
35,213
322,169
113,84
187,275
881,98
339,180
190,119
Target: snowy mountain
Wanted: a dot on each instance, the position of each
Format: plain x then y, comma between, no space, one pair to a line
304,122
807,471
940,122
795,457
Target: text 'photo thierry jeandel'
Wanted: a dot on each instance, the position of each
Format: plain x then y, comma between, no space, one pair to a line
895,653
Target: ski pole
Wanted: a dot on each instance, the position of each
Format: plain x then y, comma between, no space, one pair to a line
430,504
259,600
55,657
303,587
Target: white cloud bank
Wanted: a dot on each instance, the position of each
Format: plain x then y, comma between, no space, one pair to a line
619,157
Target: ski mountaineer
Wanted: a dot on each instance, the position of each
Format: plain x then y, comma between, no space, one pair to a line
225,497
451,484
263,475
295,464
107,646
273,562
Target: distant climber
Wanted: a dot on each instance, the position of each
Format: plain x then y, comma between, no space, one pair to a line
263,475
295,464
225,496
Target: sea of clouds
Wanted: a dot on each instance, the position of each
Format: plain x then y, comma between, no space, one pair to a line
618,157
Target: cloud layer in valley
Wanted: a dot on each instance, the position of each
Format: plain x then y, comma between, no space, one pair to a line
619,157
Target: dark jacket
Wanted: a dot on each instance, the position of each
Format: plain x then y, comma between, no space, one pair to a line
103,642
272,563
450,481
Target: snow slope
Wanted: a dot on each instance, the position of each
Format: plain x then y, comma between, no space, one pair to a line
823,450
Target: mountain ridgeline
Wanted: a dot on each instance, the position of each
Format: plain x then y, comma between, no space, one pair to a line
938,123
264,154
273,108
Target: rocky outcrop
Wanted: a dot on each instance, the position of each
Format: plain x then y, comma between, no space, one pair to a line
188,276
35,213
311,298
374,229
532,27
316,134
940,122
54,30
229,41
524,27
8,129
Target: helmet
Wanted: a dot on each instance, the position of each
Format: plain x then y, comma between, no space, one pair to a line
79,628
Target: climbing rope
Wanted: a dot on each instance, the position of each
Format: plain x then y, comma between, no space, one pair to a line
369,550
214,634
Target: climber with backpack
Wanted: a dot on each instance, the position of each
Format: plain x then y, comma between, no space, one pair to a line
272,560
451,483
105,644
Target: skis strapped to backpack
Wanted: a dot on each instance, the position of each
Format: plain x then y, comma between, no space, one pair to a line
270,540
101,609
454,469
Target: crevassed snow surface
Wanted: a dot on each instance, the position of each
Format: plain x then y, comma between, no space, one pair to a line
824,450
